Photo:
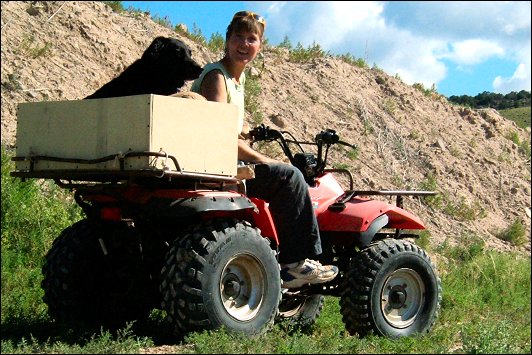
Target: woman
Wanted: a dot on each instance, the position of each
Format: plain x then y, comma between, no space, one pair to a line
279,184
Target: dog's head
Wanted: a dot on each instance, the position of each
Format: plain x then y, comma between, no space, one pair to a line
171,61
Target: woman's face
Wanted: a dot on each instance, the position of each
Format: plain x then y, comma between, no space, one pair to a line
243,47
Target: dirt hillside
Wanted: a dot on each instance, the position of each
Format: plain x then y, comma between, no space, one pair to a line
66,50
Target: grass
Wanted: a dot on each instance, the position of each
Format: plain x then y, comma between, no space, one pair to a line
251,100
523,146
485,306
33,49
514,233
520,115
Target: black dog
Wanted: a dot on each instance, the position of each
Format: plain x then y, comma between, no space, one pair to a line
162,70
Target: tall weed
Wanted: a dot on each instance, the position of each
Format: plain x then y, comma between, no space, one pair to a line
33,213
485,293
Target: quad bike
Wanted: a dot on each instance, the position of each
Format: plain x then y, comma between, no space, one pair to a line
196,247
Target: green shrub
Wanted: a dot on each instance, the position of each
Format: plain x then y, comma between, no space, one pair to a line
514,233
353,153
117,6
471,247
216,43
163,21
349,59
430,184
299,54
423,239
34,213
32,49
286,43
253,90
426,92
196,35
463,211
523,146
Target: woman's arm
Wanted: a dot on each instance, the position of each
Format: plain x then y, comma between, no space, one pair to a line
213,88
247,154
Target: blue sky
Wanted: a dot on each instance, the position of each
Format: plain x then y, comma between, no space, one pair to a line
462,47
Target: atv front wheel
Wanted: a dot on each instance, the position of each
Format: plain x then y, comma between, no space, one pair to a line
390,289
221,273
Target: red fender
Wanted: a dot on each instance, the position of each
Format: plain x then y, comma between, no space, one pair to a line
263,220
359,213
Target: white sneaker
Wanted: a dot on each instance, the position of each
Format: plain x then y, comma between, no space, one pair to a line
305,272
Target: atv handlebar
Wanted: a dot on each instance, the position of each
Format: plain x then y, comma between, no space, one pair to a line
327,136
309,164
265,133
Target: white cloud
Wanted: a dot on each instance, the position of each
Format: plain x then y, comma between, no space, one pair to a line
473,51
520,80
415,39
323,22
415,62
454,20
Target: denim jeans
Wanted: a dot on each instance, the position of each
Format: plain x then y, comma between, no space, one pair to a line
285,189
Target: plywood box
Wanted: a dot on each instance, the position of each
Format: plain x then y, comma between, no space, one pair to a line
201,135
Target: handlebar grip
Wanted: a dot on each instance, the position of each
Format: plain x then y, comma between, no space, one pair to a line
262,133
354,146
258,133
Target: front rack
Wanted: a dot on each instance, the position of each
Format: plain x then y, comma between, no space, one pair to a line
339,204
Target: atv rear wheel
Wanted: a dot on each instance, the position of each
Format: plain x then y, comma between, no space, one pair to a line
221,273
390,289
93,275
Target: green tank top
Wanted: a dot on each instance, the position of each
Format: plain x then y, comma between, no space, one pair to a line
235,92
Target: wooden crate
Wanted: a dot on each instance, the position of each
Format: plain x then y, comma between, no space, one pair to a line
201,135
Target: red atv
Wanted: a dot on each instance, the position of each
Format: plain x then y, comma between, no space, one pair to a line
196,247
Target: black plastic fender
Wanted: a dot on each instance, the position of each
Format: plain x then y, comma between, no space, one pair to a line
367,237
189,206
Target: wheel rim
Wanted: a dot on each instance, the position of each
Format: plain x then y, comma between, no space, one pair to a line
242,287
402,297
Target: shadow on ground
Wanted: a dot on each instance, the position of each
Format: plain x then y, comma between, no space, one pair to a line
42,332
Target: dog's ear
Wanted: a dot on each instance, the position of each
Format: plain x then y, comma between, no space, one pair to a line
156,48
178,47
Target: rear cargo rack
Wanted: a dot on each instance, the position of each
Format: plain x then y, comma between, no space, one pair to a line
121,157
101,175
